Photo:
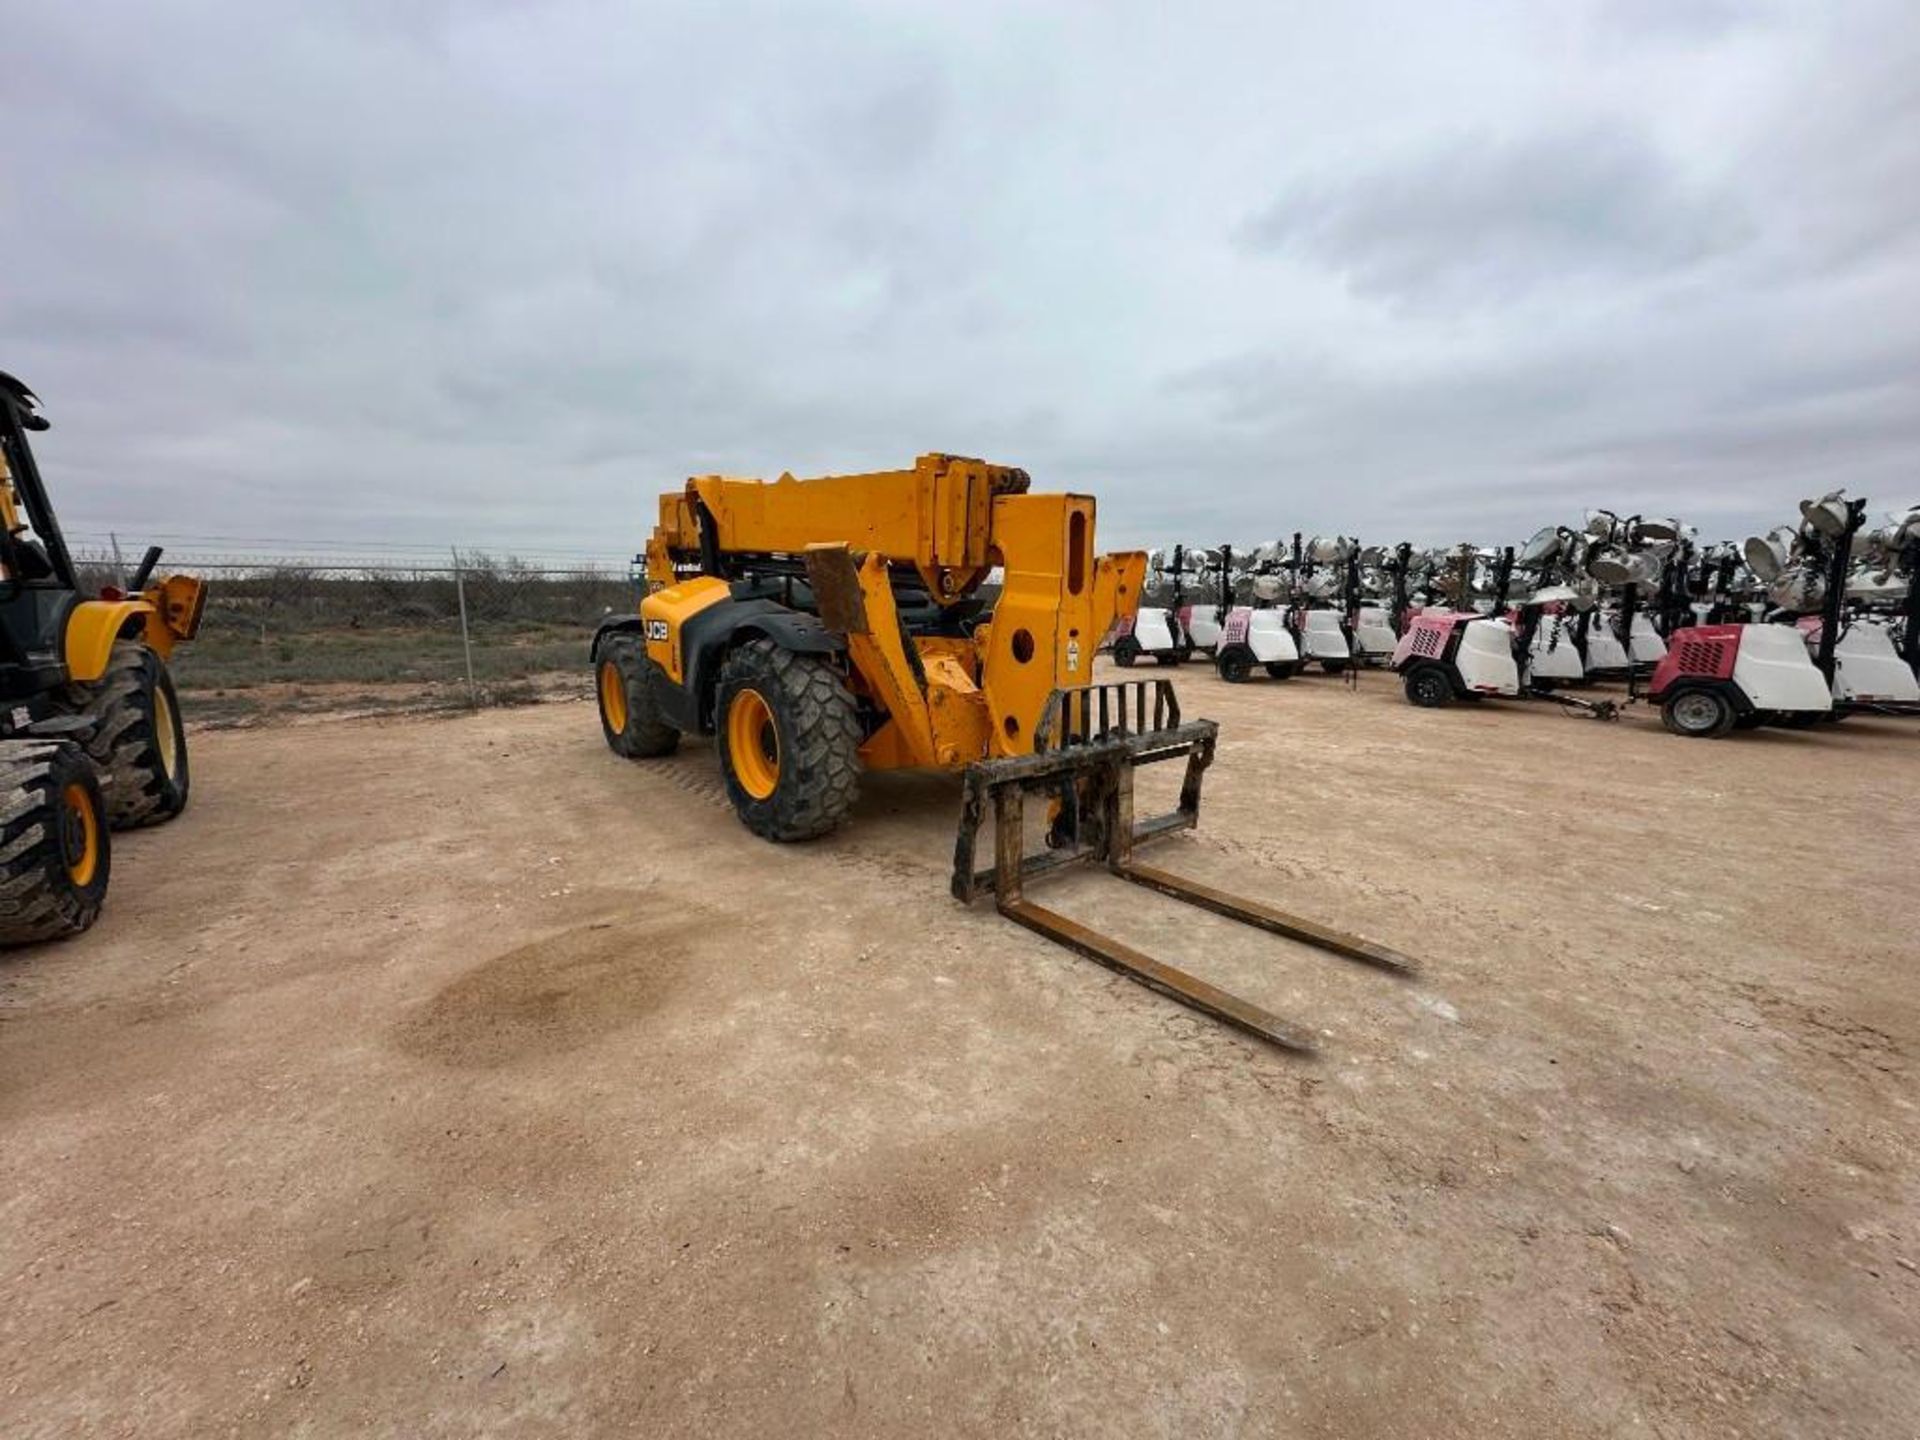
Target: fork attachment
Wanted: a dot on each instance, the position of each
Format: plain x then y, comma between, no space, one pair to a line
1090,741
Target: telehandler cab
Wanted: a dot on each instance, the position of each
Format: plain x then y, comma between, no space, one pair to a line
818,628
90,732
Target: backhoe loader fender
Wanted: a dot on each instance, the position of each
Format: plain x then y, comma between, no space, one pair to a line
91,628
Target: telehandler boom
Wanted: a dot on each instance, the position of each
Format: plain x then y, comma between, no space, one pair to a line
818,628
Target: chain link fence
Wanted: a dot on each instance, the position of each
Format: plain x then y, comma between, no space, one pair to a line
283,636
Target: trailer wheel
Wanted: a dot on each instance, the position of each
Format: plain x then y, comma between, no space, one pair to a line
55,852
789,738
1281,670
1333,666
630,716
1799,719
1428,686
1235,664
138,741
1126,650
1698,714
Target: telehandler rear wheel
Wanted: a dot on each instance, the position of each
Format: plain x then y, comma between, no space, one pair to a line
789,739
138,740
629,716
54,849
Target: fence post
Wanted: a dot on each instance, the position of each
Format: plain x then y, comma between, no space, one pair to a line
466,639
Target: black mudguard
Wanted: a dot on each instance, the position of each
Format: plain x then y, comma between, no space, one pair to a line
612,625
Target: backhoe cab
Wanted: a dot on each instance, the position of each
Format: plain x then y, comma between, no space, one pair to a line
90,732
819,628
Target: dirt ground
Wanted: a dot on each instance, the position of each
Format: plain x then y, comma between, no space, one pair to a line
450,1076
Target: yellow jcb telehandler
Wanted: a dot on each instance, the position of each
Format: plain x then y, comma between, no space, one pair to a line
819,628
90,732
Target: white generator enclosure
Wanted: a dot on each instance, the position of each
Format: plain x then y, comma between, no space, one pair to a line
1153,628
1323,637
1203,626
1648,647
1552,655
1269,638
1868,670
1604,651
1485,658
1774,671
1373,633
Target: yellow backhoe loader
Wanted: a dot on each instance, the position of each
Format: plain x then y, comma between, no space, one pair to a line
90,733
819,628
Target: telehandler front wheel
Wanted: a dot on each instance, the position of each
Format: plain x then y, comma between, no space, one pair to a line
789,739
54,849
629,715
138,740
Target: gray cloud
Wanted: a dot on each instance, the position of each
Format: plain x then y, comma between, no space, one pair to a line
1474,217
497,274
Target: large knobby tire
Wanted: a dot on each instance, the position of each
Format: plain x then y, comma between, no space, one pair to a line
138,740
630,715
1698,714
1126,650
1235,664
788,732
55,853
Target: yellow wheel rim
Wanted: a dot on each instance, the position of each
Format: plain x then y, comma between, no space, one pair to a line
165,742
81,834
613,697
753,744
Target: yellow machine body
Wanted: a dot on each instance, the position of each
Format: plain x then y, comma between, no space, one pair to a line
167,612
948,700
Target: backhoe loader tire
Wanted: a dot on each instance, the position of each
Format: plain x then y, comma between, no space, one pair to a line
54,847
788,732
629,715
138,741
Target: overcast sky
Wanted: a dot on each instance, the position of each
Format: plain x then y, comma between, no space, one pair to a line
498,273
